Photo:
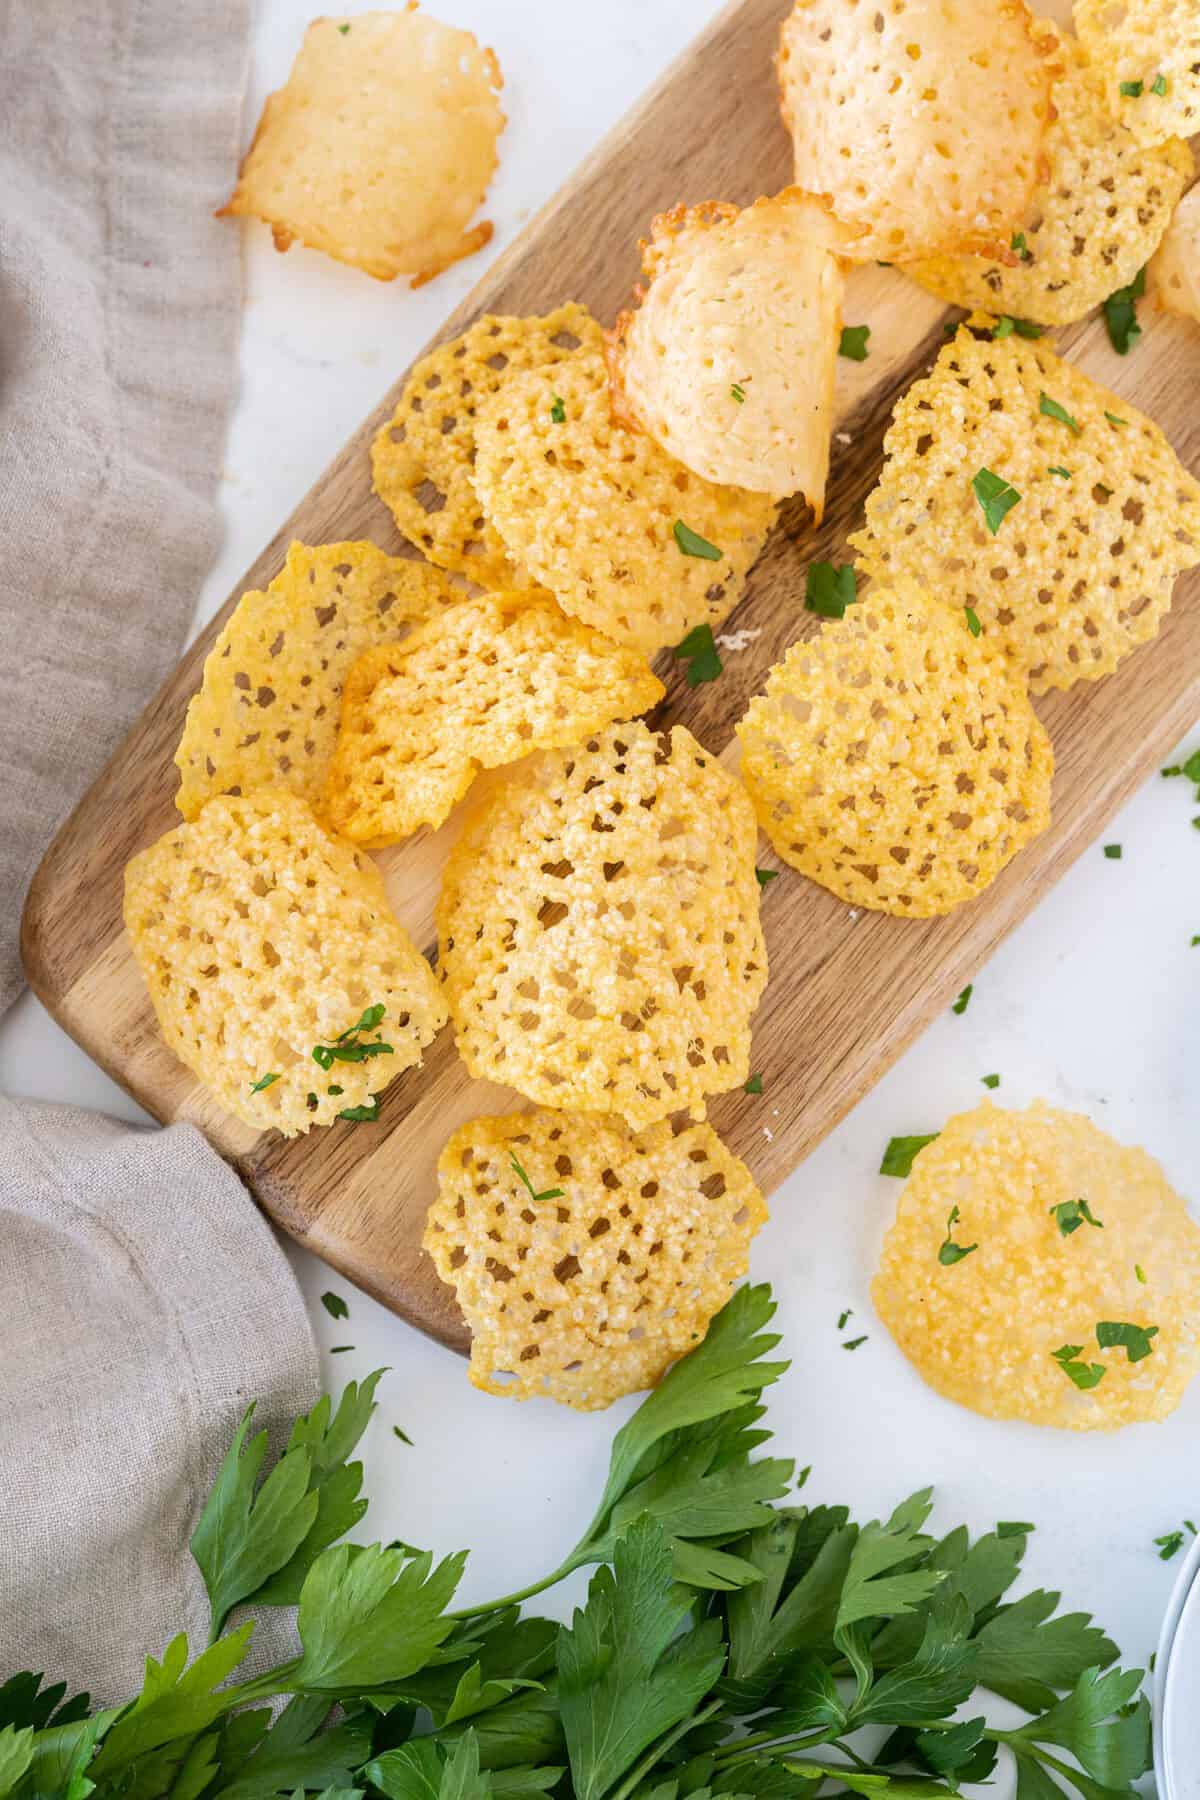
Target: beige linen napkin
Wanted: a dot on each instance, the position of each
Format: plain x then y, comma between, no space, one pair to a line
143,1301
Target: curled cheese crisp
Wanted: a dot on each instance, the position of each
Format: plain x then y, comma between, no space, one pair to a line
586,1256
895,758
598,928
1094,221
923,121
1097,515
1176,268
998,1286
728,361
484,684
262,940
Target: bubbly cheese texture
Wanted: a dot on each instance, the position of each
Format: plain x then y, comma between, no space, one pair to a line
423,460
895,758
1153,47
923,121
260,938
598,928
728,362
1082,568
380,147
1095,220
592,1289
984,1329
1176,268
483,684
266,714
591,510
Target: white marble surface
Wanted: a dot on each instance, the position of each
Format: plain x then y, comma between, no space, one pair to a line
1093,1003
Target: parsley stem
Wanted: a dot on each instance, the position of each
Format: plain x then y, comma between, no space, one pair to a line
657,1751
515,1599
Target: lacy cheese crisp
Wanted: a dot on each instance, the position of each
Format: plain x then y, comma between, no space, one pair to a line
1057,512
423,460
263,940
728,361
1176,268
896,759
1039,1270
598,929
483,684
923,121
1095,221
1148,52
267,712
585,1256
625,537
380,147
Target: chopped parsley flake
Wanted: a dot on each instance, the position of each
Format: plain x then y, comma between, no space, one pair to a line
1021,247
990,1081
1006,325
349,1045
1113,852
1069,1215
739,393
558,411
853,1343
843,1316
754,1085
763,876
1112,1334
362,1115
1051,409
699,651
1057,469
853,342
829,588
692,544
950,1252
898,1157
339,1349
996,496
343,29
972,618
402,1435
1159,86
1132,90
1172,1541
1084,1375
264,1081
1115,419
964,999
1120,314
546,1194
1140,1273
335,1306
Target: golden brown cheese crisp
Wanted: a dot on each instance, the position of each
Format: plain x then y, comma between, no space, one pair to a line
1148,52
267,712
896,759
591,1289
923,121
483,684
380,147
1094,222
1009,1329
591,510
1080,571
423,460
599,932
261,939
728,361
1176,268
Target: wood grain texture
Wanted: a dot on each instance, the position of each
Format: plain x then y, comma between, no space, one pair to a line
847,992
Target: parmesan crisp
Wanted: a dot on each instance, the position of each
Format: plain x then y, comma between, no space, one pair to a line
1176,268
1148,53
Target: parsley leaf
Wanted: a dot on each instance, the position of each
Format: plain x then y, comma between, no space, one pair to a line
1159,86
546,1193
1021,247
898,1157
853,343
1102,1726
1057,469
1111,1334
1053,410
343,29
964,999
624,1675
692,544
335,1306
829,588
973,623
1113,852
949,1252
1006,325
763,876
402,1435
754,1085
264,1081
295,1753
177,1700
1025,1653
369,1617
700,652
362,1115
1069,1215
990,1081
738,393
1084,1375
1120,314
1115,419
558,411
996,496
1172,1541
1131,90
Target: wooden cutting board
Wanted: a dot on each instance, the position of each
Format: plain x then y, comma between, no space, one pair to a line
848,991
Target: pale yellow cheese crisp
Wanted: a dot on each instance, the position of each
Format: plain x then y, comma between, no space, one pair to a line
1175,271
1153,45
598,928
592,1290
983,1329
483,684
260,938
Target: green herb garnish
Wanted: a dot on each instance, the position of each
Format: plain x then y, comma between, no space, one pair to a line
1172,1541
964,999
853,1343
1159,86
1006,325
692,544
763,876
1051,409
1014,1528
403,1436
343,29
362,1115
699,651
973,623
990,1081
996,496
1113,852
335,1306
739,393
264,1081
1131,90
1112,1334
1057,469
829,588
1140,1273
1021,247
949,1252
558,410
853,343
350,1047
843,1316
546,1193
340,1349
754,1085
1115,419
1120,314
1069,1215
1084,1375
898,1157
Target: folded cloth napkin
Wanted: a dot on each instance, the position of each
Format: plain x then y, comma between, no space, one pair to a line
145,1305
143,1301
